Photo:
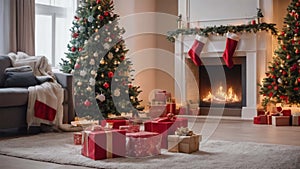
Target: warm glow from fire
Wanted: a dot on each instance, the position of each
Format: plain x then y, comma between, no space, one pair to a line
222,96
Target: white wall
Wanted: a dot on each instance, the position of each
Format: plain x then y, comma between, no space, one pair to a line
4,28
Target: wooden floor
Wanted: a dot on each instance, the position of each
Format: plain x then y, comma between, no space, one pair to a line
228,129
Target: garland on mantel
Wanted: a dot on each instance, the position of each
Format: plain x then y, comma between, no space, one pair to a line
221,30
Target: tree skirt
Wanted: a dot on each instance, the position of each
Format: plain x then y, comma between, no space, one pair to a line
59,148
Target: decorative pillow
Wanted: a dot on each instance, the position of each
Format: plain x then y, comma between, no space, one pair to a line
19,69
20,79
43,79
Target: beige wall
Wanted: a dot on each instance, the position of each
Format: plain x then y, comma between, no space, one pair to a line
152,55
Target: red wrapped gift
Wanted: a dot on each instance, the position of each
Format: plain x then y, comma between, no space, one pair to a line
262,119
296,120
287,112
115,123
130,128
269,118
99,145
77,138
157,111
281,120
165,127
171,108
143,144
260,112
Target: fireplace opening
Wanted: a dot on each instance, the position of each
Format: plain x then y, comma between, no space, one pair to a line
220,86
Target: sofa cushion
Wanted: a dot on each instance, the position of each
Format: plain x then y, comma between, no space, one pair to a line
5,63
13,97
20,79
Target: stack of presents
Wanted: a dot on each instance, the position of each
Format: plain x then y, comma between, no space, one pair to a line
124,138
277,116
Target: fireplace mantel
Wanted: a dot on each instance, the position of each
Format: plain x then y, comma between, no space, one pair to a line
256,47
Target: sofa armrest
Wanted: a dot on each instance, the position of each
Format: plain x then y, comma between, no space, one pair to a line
66,81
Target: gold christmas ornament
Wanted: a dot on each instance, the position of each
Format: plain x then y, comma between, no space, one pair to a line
99,7
102,61
102,75
89,89
110,56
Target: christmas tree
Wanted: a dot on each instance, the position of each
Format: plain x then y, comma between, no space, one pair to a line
96,57
282,81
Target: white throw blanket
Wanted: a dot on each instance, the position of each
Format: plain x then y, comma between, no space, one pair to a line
45,100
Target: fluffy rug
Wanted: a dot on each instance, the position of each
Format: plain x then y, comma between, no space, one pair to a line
59,148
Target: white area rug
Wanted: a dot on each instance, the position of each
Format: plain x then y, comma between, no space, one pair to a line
59,148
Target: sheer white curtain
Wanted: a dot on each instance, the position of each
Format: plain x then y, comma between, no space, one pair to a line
4,28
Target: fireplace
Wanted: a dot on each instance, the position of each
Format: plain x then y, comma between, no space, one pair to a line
217,91
251,58
221,87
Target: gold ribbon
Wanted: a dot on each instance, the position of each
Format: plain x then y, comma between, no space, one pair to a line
86,137
109,144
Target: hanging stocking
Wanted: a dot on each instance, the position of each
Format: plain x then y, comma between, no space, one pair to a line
196,49
231,43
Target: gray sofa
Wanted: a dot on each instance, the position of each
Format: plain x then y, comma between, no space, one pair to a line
13,100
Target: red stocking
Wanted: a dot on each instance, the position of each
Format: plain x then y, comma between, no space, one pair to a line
196,49
231,43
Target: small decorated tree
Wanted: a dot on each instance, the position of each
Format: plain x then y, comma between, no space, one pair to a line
96,57
282,81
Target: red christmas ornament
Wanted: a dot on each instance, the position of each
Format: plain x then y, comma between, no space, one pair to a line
98,1
253,22
75,35
297,23
294,67
101,17
106,13
297,4
77,66
283,47
288,57
110,74
293,41
282,33
296,88
283,73
298,79
275,87
122,57
273,83
274,77
87,103
296,30
297,51
106,85
270,94
130,85
80,49
73,49
270,87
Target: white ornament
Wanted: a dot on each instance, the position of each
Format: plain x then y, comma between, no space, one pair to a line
108,33
96,54
81,28
109,40
100,97
92,81
93,72
110,22
79,83
90,18
106,46
110,56
279,81
82,73
92,62
117,92
117,50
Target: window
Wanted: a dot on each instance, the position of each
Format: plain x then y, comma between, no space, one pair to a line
53,21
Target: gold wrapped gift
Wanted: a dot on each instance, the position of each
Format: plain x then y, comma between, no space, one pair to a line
184,144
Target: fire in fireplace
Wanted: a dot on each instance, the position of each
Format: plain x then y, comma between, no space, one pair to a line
220,86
